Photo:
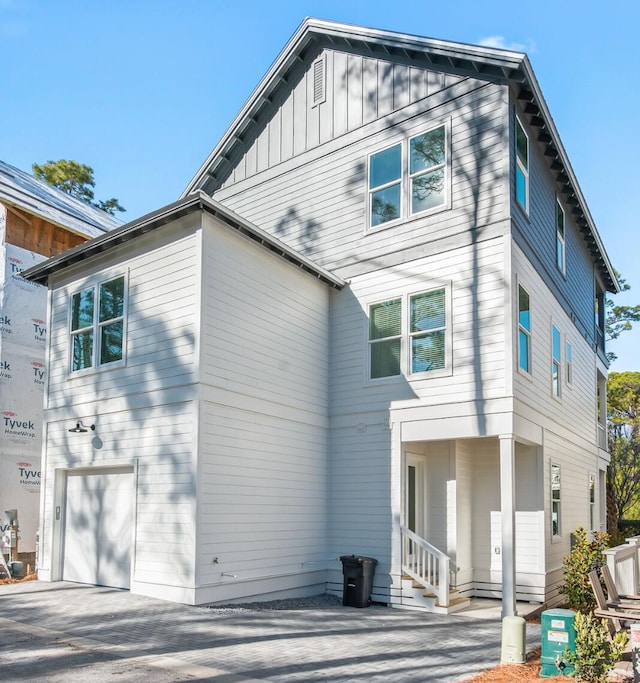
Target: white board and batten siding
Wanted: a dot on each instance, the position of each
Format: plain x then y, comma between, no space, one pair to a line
358,90
316,200
262,479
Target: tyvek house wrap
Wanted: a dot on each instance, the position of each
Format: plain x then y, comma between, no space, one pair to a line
23,307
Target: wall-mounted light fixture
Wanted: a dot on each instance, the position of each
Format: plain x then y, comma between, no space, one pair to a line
81,429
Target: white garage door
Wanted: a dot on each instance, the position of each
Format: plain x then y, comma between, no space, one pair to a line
98,527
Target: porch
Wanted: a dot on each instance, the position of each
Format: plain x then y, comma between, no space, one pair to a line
451,524
624,564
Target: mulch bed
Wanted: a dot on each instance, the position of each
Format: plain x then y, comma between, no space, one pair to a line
29,577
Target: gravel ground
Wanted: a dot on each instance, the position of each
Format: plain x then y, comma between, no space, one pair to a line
316,602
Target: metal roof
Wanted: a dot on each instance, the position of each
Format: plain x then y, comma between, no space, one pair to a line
198,201
22,190
455,57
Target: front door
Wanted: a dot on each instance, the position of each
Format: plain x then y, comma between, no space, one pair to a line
414,511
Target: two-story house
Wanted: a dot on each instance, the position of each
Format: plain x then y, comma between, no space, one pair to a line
367,327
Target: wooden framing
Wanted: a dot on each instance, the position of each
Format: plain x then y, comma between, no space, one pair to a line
37,234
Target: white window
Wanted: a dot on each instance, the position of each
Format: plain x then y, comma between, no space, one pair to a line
97,331
417,342
599,310
556,502
522,166
385,338
555,361
398,188
385,185
427,170
568,359
560,240
524,330
427,327
592,503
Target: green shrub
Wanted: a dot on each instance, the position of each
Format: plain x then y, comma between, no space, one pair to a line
584,556
596,653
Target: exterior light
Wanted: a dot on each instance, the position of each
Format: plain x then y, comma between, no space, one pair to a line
81,429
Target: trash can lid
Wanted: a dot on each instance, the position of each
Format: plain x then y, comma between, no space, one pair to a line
358,559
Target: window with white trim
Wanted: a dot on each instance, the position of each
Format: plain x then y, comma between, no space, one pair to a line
592,503
599,310
399,188
427,170
385,185
427,327
555,361
556,503
522,166
97,330
568,360
415,343
560,239
524,330
385,338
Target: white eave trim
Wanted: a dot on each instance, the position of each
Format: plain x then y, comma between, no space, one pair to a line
196,201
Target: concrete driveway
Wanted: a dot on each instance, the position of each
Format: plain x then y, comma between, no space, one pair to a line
62,631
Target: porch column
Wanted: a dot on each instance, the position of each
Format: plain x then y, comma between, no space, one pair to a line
508,515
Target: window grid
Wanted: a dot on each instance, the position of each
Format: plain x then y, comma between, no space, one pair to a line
385,185
385,338
97,325
419,164
427,170
427,331
414,341
522,166
555,361
556,502
592,502
560,239
524,330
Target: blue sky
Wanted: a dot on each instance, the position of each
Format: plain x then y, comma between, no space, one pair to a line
143,90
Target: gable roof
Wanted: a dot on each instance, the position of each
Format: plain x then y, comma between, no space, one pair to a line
454,57
198,201
22,190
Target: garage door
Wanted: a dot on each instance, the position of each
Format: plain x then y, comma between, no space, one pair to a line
98,527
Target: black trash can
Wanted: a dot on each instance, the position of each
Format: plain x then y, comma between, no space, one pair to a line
358,580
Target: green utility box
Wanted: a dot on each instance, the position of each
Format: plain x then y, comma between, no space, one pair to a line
558,634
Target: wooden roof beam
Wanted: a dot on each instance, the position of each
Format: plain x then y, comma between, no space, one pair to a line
526,95
544,137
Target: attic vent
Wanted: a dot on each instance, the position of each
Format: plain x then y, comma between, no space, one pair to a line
319,79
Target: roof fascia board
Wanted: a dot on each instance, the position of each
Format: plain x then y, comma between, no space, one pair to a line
505,59
295,43
311,28
564,157
197,201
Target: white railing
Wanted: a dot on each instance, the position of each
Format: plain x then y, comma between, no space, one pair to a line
602,437
624,566
425,564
